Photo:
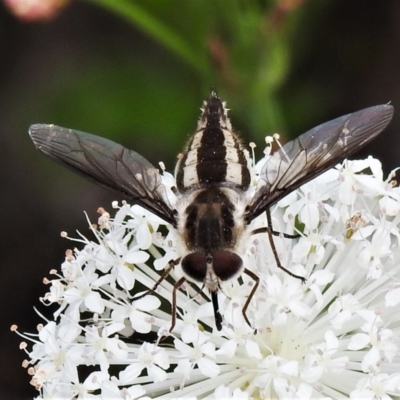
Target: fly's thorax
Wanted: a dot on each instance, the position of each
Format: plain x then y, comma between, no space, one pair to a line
214,154
211,219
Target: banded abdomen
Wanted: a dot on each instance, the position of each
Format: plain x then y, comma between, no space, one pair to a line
214,155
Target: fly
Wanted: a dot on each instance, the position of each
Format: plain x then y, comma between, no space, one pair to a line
213,211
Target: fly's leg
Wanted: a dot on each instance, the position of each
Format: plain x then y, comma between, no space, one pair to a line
256,279
171,265
272,233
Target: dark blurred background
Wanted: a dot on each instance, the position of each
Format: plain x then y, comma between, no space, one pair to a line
138,74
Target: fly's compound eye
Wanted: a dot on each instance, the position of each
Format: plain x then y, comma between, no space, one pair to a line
195,266
226,264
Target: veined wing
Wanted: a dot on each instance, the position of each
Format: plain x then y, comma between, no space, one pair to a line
107,163
314,152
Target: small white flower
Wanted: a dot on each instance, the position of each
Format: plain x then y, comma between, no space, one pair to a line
336,336
380,386
285,297
137,313
150,357
380,343
110,390
311,204
342,310
224,392
322,359
196,350
100,349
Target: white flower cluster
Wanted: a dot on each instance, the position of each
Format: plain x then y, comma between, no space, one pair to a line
336,336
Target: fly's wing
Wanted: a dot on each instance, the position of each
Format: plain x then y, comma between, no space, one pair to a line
107,163
314,152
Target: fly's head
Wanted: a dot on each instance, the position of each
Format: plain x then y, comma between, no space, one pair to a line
212,268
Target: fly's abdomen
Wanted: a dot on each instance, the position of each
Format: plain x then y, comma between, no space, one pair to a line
214,154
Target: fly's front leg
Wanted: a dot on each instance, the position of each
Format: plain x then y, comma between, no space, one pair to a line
256,280
171,265
177,286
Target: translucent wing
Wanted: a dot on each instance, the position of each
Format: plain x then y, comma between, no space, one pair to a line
314,152
107,163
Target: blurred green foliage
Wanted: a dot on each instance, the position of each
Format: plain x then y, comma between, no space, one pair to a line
153,94
241,47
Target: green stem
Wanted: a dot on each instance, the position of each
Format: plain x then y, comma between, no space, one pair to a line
150,25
